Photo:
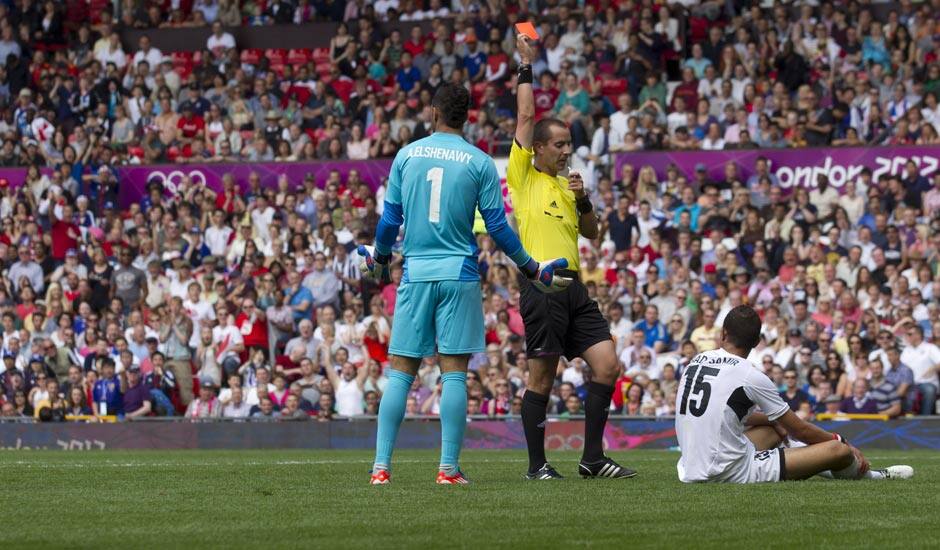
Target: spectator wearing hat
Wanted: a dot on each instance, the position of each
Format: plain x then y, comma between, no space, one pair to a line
206,405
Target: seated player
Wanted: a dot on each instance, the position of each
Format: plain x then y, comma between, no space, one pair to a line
724,439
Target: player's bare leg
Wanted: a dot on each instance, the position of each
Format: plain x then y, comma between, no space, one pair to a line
764,437
453,417
391,413
602,358
832,459
542,372
805,462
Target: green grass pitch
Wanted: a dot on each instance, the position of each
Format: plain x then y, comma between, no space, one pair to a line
321,499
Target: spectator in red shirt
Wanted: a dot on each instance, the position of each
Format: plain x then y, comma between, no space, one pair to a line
65,233
546,95
253,325
415,44
191,126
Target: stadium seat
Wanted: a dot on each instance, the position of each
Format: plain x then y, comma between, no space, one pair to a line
344,88
300,93
298,56
251,56
321,55
278,56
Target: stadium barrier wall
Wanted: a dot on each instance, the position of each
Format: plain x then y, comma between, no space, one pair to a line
621,434
315,34
792,167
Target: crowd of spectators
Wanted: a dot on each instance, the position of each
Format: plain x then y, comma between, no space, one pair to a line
247,302
625,75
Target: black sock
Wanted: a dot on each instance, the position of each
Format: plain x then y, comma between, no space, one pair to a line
534,406
596,408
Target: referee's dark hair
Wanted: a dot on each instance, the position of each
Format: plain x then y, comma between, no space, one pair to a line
543,129
742,327
453,101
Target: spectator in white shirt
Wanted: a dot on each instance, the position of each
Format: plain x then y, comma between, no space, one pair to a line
236,406
924,359
219,42
153,56
113,53
630,357
218,234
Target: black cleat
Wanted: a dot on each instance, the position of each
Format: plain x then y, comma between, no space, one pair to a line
604,468
545,472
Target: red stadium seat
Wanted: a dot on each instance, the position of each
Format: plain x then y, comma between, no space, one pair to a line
321,55
182,56
251,56
298,56
278,56
300,93
476,91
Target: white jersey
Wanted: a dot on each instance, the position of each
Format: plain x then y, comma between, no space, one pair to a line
717,392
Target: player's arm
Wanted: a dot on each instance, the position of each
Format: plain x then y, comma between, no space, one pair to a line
490,204
761,391
525,98
805,431
386,231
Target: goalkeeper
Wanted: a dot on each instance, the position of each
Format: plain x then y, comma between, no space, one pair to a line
434,188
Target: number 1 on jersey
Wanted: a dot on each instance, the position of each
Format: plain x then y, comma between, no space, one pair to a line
436,177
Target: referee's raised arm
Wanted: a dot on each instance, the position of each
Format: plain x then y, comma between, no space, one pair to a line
525,98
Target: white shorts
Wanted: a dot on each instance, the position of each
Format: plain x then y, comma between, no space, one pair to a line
758,467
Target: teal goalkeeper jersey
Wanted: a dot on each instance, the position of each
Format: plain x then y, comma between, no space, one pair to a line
434,187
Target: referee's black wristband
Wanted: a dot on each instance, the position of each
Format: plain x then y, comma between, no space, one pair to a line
584,206
524,74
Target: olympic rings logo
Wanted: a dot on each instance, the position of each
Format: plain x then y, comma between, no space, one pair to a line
171,181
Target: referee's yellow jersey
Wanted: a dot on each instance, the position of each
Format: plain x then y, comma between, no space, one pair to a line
544,208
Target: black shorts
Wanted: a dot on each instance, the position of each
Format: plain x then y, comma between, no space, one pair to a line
562,323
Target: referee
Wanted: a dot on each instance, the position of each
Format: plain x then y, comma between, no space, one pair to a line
551,210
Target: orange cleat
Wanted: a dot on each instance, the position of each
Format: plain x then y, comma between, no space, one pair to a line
456,479
380,477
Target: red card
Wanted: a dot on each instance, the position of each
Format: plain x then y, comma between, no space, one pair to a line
528,29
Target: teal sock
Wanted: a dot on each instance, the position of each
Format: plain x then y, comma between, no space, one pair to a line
391,413
453,419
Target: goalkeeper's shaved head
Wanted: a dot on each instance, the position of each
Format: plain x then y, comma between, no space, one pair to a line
742,328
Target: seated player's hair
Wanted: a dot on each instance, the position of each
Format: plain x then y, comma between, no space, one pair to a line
742,325
453,101
543,129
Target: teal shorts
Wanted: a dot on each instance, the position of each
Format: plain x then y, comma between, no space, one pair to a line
437,316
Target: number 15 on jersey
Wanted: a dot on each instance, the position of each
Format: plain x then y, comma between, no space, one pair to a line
696,383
